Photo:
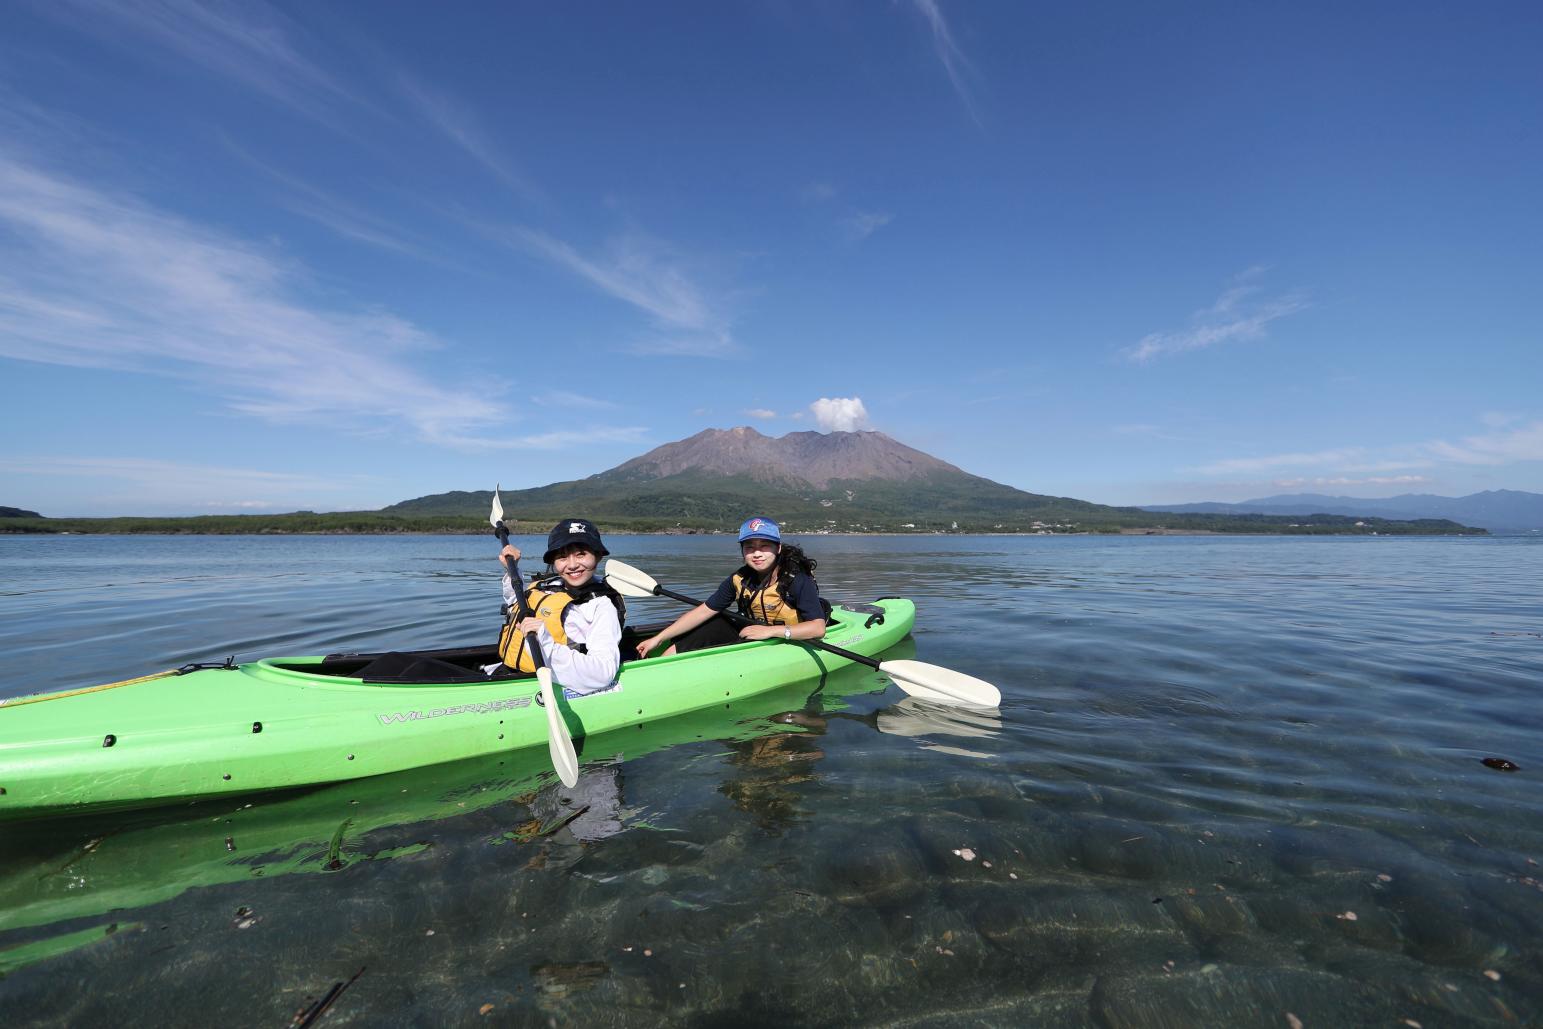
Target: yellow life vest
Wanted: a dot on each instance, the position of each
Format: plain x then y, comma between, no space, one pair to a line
763,604
549,607
549,601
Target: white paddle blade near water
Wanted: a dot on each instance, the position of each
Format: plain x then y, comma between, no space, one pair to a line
943,685
627,580
564,758
498,510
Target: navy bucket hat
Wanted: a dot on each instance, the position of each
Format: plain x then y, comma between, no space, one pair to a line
570,531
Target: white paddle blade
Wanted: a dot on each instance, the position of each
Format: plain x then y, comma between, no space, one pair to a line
627,580
498,510
942,685
564,758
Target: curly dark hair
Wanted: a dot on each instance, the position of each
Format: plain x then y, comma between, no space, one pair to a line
791,559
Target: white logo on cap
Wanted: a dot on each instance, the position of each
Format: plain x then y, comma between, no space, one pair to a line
576,528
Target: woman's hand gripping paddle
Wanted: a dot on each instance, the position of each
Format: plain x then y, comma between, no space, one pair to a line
564,758
919,679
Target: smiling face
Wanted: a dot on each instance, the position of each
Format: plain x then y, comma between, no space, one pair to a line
575,563
759,554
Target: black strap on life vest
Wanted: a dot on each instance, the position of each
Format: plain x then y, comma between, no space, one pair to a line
596,587
744,601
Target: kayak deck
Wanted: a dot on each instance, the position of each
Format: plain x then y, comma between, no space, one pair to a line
296,721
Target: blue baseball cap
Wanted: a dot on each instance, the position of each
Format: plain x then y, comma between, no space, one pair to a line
760,529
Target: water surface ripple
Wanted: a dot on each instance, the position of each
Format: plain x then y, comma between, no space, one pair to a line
1231,780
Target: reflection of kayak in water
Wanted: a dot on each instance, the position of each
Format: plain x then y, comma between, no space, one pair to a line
57,870
284,722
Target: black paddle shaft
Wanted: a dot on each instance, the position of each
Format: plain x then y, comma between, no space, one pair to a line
522,609
739,619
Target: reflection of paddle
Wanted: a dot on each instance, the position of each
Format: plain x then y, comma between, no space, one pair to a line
564,758
914,718
929,682
911,717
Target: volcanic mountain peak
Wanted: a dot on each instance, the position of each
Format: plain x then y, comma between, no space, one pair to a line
811,457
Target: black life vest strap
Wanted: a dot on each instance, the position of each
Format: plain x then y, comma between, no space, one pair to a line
596,587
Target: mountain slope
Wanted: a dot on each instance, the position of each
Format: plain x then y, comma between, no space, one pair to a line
811,458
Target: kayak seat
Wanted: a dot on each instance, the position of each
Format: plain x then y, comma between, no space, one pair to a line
397,667
448,667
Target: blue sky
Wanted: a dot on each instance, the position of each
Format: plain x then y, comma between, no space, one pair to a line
268,257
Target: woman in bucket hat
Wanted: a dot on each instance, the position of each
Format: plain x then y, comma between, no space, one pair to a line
775,589
576,617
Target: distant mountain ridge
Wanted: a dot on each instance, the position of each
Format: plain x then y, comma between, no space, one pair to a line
814,479
1501,510
837,481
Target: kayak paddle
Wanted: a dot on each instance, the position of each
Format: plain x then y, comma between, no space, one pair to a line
564,758
919,679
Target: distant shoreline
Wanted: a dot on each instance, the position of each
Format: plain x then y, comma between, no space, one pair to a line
791,533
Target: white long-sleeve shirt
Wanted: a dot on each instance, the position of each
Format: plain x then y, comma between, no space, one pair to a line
592,623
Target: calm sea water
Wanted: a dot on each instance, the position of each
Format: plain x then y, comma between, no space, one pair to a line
1232,782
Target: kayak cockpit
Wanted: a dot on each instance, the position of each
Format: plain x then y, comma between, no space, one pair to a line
451,666
464,666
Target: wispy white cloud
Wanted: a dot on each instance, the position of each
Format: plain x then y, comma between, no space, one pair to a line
651,277
954,62
1496,448
1266,463
817,193
1238,314
563,398
95,279
863,224
840,414
710,346
760,412
252,43
179,486
557,440
325,208
462,128
1344,480
1358,464
581,437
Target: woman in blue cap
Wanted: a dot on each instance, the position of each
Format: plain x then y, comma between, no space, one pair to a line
775,589
576,617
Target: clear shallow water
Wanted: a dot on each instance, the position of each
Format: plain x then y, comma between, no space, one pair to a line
1211,754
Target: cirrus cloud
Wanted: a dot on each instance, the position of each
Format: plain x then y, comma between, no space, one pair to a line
173,298
1238,314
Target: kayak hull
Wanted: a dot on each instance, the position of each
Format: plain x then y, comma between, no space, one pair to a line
279,722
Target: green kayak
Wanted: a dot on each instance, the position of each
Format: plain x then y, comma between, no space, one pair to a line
213,730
